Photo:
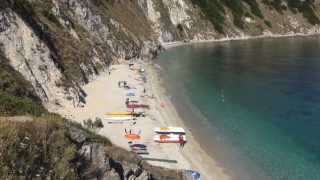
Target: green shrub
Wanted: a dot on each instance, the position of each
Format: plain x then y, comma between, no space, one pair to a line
309,14
98,123
276,4
268,23
12,106
255,9
305,7
214,11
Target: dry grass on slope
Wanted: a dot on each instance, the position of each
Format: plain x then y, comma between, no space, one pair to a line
49,146
37,148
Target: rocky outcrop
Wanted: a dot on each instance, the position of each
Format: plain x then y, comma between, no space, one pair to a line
52,148
108,162
59,45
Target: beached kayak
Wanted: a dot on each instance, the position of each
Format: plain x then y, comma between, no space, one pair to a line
119,113
169,138
136,113
169,130
119,118
138,106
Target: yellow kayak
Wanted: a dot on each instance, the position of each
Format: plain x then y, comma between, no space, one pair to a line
119,113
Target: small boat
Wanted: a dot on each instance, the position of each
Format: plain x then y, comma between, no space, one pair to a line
132,137
138,106
122,113
133,101
138,146
169,138
136,113
119,118
141,152
169,130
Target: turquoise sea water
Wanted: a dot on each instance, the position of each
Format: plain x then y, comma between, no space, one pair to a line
254,105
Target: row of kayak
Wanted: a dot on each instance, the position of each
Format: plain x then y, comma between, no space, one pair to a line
163,134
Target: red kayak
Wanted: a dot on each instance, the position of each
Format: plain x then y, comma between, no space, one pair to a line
138,106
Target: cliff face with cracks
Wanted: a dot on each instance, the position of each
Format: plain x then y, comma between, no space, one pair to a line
58,45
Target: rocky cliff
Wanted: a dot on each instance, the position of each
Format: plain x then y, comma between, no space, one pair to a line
58,45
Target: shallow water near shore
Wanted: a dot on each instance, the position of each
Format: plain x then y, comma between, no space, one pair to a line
253,105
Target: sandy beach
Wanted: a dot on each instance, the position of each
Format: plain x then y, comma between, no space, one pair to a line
104,95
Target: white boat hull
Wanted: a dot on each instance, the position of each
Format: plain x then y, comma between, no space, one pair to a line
119,118
169,130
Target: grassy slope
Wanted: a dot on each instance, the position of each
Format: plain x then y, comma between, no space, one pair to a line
44,148
39,147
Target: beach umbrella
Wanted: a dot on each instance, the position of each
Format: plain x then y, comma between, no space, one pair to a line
132,137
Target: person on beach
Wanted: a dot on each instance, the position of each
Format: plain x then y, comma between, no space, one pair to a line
144,90
181,141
